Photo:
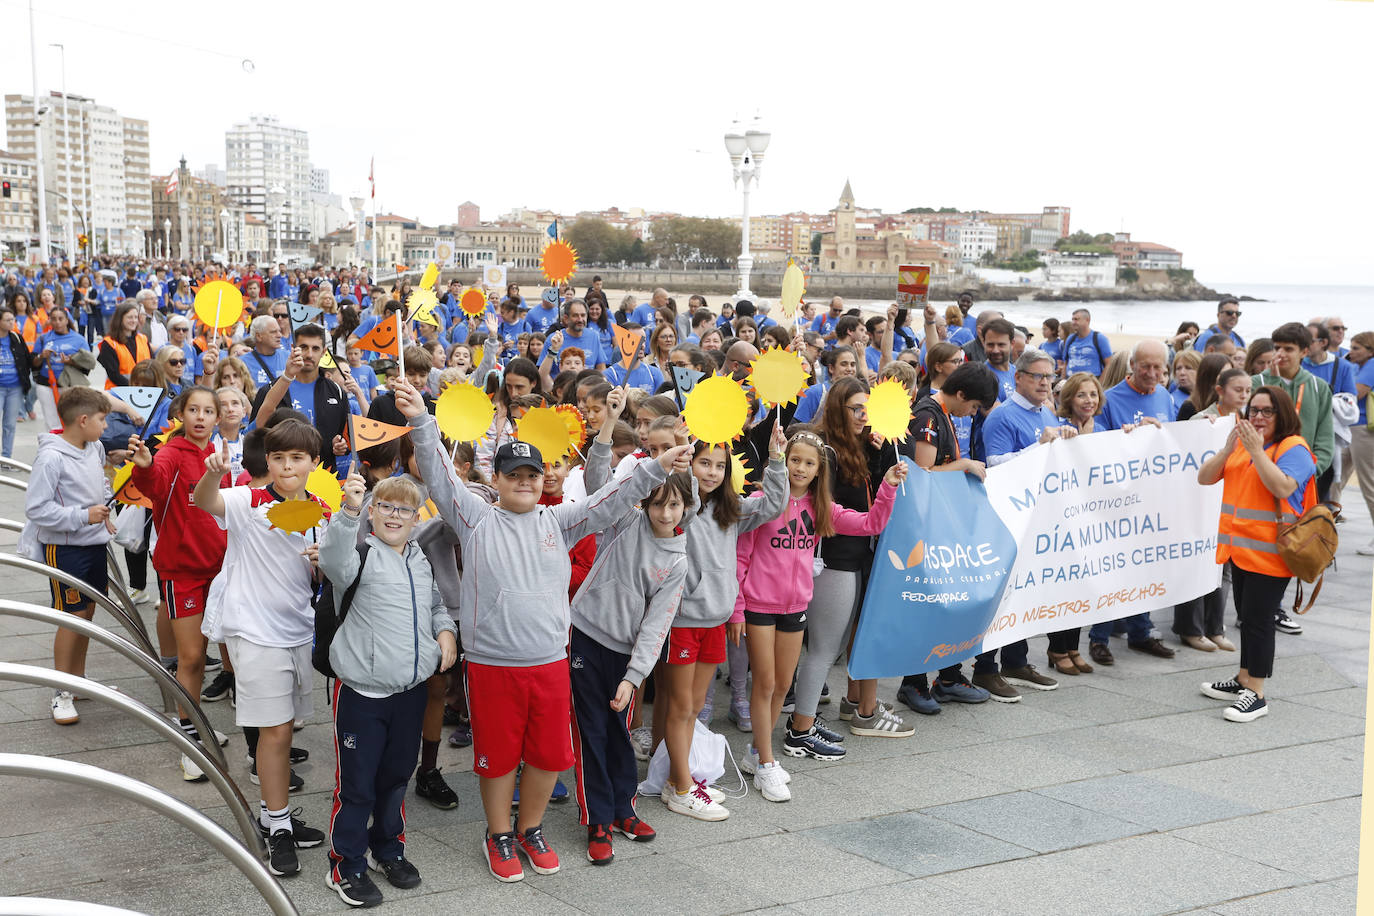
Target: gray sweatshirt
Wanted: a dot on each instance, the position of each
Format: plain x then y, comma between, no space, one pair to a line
629,598
440,543
514,590
387,644
66,481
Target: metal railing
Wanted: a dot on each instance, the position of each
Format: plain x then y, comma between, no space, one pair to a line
81,774
14,482
58,680
16,465
131,622
172,692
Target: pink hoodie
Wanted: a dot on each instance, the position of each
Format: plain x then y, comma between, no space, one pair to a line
774,561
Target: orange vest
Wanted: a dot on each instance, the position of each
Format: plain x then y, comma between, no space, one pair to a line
1250,515
128,360
35,323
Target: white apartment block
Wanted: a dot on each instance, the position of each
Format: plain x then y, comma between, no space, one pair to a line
261,154
973,238
1076,270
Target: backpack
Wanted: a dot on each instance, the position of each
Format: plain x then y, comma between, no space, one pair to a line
1097,345
1307,547
329,616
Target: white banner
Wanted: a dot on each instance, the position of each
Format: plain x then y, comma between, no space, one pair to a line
1107,525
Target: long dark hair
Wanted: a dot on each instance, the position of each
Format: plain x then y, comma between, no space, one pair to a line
348,323
851,453
1204,391
722,500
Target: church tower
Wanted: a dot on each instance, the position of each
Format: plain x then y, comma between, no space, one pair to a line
846,247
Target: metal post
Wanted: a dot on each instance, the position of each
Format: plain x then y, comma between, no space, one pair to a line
67,159
93,777
42,191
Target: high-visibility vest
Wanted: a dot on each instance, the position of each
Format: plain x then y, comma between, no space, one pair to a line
35,324
1250,514
128,359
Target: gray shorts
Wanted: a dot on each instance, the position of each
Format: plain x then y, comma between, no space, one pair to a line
272,684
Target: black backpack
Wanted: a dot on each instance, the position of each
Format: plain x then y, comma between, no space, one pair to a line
328,619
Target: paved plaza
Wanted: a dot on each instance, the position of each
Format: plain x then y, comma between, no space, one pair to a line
1122,792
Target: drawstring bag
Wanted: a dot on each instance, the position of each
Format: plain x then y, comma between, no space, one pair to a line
706,761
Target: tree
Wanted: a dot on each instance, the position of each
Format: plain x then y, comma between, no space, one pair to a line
1127,275
988,258
637,254
816,243
594,240
684,238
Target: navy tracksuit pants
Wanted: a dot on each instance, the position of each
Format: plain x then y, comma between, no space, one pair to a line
607,776
376,744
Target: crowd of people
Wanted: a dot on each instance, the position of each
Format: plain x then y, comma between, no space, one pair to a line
572,590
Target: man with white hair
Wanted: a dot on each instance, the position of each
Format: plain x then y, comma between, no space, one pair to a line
761,310
153,327
267,359
1337,328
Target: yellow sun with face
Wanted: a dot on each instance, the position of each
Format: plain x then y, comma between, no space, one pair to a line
559,262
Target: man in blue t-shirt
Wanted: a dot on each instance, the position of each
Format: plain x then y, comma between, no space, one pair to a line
1228,316
824,325
267,359
109,298
1087,351
1338,373
645,315
996,340
576,334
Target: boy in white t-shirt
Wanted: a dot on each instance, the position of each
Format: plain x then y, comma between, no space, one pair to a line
265,618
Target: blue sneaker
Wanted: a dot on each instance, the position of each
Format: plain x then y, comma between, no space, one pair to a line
560,792
921,701
810,744
829,735
961,691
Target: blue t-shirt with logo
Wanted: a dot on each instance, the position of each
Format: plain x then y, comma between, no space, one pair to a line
1086,354
641,376
1365,377
539,320
109,300
259,366
62,346
1006,382
589,342
1013,426
9,370
1123,404
365,377
303,398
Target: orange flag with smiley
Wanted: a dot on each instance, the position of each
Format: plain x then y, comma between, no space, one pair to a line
627,344
385,337
365,433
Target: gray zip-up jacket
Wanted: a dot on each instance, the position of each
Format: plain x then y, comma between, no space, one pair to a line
388,643
66,481
629,598
514,609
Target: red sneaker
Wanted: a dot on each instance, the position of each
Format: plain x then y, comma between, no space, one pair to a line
538,850
502,861
599,851
635,829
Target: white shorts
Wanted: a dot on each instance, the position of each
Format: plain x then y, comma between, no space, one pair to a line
272,685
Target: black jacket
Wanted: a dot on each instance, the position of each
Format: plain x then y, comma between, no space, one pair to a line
849,551
331,415
23,362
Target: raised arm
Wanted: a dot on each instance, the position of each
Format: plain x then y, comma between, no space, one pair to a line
458,506
756,512
206,495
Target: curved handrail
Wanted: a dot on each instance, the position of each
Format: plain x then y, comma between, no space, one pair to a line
173,693
9,524
14,482
58,680
131,622
93,777
17,465
46,906
116,578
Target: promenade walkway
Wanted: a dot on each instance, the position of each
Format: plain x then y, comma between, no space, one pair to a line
1123,792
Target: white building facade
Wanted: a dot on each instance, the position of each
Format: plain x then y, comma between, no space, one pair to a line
1080,271
974,239
261,154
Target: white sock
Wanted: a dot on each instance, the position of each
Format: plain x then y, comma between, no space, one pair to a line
278,820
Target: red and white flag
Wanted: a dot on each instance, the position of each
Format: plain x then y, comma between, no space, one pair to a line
172,182
371,170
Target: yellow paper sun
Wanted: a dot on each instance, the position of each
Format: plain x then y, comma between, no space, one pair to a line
218,304
716,410
545,429
428,511
577,427
889,410
422,303
739,474
464,412
295,515
473,302
559,261
325,485
793,286
430,276
161,438
778,376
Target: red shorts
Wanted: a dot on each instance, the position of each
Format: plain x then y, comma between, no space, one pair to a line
184,599
520,714
696,644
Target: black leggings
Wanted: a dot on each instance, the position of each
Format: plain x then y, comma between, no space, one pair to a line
1257,599
1065,640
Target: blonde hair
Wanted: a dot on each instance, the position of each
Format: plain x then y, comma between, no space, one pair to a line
903,372
1118,367
1190,358
398,490
954,316
235,392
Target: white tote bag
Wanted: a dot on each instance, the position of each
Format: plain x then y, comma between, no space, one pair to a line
129,529
706,760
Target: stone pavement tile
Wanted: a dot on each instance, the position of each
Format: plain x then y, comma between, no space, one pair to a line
822,798
684,886
1178,689
1047,886
903,899
32,650
1284,777
1324,897
1148,802
917,844
1025,763
1349,701
1016,720
1080,699
907,787
1352,664
814,868
1034,821
1122,750
1286,724
1319,841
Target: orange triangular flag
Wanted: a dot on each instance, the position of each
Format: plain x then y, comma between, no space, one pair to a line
385,337
365,433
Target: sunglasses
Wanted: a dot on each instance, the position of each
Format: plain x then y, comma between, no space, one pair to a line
1260,412
1231,314
176,362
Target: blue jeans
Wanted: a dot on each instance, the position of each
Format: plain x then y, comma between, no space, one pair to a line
1138,628
12,403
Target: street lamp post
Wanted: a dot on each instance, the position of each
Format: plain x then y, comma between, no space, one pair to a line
746,160
67,157
277,198
357,204
224,230
167,238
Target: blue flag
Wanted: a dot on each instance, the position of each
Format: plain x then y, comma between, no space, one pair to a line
553,230
939,571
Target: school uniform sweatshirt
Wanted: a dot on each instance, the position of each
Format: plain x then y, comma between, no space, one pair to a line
65,482
386,644
628,600
515,610
775,561
190,544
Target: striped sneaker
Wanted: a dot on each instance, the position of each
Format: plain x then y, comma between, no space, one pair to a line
882,724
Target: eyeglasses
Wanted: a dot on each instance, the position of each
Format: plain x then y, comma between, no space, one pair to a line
387,510
858,410
1336,327
1260,412
1230,313
1039,376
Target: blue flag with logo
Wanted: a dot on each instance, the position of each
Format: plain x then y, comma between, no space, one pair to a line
939,571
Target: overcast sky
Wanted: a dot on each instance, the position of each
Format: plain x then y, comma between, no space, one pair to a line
1236,131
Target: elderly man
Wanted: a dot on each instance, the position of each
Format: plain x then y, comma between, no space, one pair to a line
153,324
267,360
282,312
644,315
737,360
1228,316
1336,325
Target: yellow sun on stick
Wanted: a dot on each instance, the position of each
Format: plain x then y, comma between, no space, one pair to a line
793,286
218,304
326,486
464,412
716,410
422,303
559,261
544,428
430,276
889,410
739,473
295,515
778,376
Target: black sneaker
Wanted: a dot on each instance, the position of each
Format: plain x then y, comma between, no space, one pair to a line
281,848
1222,690
823,729
298,755
452,716
219,688
292,787
1248,707
430,784
212,664
304,837
354,890
810,744
399,871
1285,624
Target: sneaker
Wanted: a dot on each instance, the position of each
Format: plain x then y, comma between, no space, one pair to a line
827,734
294,785
739,715
281,854
1285,624
400,872
848,707
918,699
502,861
882,724
560,794
825,695
771,781
1367,550
810,744
219,688
304,837
1226,691
461,736
961,691
748,765
1027,676
537,849
635,829
1248,707
997,688
139,596
789,702
697,803
64,708
298,725
642,739
212,664
354,890
429,784
599,849
453,716
190,772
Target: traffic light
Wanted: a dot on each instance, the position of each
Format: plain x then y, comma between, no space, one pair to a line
6,189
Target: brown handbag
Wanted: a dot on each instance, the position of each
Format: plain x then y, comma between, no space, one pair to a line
1307,547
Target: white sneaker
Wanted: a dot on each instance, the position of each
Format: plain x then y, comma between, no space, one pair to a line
642,740
1367,550
696,803
139,596
190,772
749,763
63,709
771,781
220,737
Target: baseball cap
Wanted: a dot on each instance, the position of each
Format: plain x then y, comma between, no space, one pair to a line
517,454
